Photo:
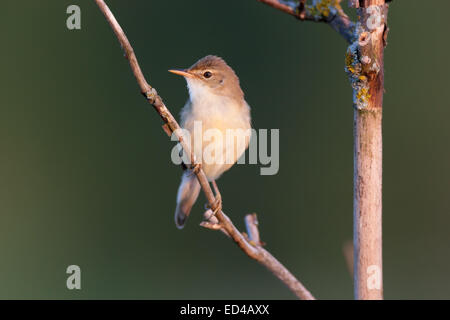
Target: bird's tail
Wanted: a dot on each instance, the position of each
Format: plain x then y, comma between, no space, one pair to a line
187,194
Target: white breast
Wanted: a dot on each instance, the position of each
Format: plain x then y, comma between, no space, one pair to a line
215,112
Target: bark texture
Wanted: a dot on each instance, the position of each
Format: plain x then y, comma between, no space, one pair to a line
365,66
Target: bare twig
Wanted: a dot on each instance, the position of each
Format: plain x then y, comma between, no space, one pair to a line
324,11
171,126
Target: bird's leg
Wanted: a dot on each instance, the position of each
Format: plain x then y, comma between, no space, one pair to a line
217,206
195,168
218,202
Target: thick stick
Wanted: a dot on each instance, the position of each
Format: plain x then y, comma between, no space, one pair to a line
254,251
365,63
367,208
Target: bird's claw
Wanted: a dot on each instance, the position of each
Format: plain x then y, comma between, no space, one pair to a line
195,168
217,206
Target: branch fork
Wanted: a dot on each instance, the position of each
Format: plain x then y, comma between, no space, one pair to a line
327,11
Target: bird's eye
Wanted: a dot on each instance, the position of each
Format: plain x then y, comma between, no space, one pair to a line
207,74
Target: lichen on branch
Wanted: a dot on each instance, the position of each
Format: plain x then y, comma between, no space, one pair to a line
323,9
327,11
358,81
364,56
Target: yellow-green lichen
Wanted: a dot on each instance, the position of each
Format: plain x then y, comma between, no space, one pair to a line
363,95
349,62
358,79
323,8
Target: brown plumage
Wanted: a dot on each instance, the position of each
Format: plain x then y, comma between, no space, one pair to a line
216,101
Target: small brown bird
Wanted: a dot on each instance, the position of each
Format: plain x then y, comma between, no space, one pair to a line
216,102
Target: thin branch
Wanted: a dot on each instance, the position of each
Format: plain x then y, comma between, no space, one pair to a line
321,11
282,7
171,126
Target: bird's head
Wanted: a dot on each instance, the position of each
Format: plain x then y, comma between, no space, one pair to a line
211,75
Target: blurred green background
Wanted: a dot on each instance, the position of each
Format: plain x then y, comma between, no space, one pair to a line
86,176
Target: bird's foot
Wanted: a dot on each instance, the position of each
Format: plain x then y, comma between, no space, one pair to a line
216,206
195,168
218,201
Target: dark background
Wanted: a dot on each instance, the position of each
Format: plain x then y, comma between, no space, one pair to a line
85,171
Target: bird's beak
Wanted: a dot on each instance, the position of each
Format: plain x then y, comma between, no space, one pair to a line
182,72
